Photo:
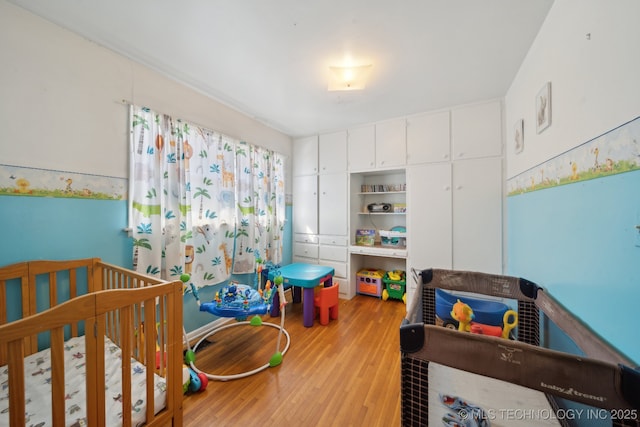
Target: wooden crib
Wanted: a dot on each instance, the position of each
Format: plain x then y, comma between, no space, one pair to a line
49,308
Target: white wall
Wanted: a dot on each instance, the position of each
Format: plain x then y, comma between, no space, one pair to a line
61,101
595,83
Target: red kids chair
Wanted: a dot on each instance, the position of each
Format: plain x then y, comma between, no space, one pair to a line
326,303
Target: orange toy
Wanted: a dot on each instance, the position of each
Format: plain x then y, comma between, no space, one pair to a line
326,303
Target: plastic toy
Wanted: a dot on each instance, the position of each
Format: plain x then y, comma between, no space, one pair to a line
394,285
193,381
485,311
463,313
241,301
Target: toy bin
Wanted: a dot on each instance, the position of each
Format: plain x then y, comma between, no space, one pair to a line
394,285
369,282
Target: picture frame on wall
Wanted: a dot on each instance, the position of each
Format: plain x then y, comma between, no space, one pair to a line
518,136
543,108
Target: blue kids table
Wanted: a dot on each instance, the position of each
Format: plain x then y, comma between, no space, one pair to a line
307,277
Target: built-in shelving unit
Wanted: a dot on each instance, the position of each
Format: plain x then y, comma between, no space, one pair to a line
440,174
377,187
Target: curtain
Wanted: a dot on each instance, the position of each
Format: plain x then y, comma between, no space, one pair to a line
201,202
261,202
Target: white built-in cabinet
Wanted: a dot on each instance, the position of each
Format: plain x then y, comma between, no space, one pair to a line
391,143
332,213
429,215
332,154
305,156
458,215
476,131
320,203
455,205
428,138
305,204
477,215
451,162
361,148
378,146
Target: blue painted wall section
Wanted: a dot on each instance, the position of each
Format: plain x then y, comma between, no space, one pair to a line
580,242
57,228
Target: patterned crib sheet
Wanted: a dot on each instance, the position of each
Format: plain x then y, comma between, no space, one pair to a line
38,386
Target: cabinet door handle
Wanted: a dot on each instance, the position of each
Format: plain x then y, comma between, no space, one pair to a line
459,187
447,188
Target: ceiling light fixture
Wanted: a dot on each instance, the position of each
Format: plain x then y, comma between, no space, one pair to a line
349,78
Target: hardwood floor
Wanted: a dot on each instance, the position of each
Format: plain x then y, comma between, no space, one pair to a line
343,374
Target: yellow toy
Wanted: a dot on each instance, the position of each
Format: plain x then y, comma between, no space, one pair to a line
464,315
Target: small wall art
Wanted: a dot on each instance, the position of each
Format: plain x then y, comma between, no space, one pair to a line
518,136
543,108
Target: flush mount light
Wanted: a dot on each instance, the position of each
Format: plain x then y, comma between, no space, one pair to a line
349,78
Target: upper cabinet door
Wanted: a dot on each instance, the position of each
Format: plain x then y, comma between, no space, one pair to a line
477,131
429,138
332,149
391,143
362,148
305,204
332,204
305,156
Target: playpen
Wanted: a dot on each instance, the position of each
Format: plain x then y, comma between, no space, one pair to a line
449,377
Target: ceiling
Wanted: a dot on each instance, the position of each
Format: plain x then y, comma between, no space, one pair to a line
270,59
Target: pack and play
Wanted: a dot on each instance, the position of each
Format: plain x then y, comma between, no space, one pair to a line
446,373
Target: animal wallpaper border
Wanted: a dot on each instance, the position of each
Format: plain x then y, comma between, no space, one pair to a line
616,151
35,182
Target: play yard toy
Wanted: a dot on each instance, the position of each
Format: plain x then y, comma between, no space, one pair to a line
485,311
463,313
394,285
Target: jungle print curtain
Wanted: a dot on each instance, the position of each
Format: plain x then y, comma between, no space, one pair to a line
201,202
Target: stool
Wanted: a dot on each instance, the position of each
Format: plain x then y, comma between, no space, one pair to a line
326,303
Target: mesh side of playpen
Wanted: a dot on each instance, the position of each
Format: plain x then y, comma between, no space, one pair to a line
422,309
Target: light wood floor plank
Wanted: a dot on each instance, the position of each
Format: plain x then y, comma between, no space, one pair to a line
344,374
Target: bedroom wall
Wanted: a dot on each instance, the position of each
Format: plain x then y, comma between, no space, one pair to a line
579,240
62,115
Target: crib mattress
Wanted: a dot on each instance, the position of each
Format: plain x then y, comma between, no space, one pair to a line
38,386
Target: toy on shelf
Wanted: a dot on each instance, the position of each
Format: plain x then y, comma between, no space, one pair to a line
394,285
463,313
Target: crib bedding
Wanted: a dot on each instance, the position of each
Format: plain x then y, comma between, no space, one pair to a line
38,386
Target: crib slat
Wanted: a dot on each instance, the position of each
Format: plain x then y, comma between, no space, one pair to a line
94,345
73,292
16,383
126,326
149,356
57,376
